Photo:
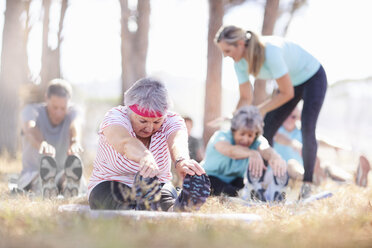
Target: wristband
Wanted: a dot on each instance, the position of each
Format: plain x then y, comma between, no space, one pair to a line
179,159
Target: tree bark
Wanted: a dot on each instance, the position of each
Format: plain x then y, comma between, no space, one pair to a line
270,16
134,44
212,107
51,66
14,72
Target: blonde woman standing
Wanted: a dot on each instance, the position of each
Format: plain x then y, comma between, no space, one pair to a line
298,75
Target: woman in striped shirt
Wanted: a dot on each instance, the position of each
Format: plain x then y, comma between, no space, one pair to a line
137,144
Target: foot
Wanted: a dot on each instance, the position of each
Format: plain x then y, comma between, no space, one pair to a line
305,192
195,191
254,189
362,172
147,192
73,173
48,172
276,190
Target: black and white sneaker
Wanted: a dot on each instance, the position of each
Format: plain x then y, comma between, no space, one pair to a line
305,191
147,192
276,190
48,172
195,191
73,174
253,189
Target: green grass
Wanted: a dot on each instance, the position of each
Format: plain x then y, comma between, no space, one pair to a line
344,220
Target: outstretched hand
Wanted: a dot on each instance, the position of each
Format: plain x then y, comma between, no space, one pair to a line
47,149
279,166
148,166
75,148
256,164
189,166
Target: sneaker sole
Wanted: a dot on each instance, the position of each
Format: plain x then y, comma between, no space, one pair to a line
197,189
48,172
256,194
280,182
147,192
73,174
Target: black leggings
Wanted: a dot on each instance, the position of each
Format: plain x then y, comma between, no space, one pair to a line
107,195
231,189
312,92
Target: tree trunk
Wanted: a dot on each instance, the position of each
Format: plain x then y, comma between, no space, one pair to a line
14,72
134,44
270,16
212,107
50,57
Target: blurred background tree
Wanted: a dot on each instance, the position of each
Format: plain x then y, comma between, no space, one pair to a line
51,54
103,47
135,26
14,71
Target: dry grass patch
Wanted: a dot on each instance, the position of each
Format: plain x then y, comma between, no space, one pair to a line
344,220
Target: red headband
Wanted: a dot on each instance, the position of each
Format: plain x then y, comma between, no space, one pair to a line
145,112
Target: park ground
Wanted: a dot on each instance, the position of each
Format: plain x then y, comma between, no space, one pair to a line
344,220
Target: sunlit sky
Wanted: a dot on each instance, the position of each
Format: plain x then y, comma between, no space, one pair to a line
337,32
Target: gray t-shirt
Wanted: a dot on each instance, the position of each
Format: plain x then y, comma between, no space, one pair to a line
57,136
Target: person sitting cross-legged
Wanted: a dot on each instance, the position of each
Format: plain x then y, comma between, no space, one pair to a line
51,145
243,151
137,144
288,143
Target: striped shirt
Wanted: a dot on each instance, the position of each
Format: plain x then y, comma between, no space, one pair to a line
109,165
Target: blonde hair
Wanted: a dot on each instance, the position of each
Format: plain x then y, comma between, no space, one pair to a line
254,51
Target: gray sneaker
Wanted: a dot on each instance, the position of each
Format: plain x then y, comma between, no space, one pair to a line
147,192
276,190
73,173
48,172
305,192
253,188
195,191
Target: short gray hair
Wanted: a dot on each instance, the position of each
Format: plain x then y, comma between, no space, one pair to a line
247,117
148,93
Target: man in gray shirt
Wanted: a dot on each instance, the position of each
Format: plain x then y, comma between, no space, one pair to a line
51,144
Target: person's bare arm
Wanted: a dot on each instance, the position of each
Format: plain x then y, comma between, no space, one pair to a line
285,140
33,134
233,151
75,138
120,139
246,94
278,165
285,93
256,164
179,151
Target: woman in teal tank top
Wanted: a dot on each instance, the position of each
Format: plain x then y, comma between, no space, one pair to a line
298,74
242,152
